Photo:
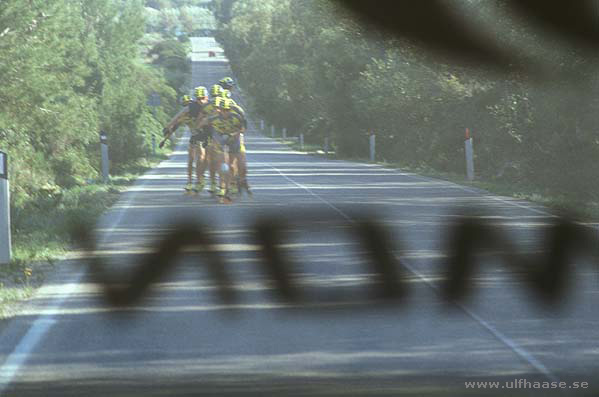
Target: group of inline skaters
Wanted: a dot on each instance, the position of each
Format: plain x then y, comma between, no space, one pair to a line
217,124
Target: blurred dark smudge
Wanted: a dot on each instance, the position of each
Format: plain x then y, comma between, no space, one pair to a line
547,273
433,24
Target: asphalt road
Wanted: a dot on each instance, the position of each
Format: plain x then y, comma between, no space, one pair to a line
181,339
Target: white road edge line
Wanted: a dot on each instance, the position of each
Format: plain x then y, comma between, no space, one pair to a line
18,357
518,350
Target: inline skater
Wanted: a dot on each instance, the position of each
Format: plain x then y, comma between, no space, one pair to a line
196,154
226,127
198,110
212,110
237,156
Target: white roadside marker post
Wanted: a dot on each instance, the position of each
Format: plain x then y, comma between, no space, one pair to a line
104,146
5,245
284,133
469,155
372,147
272,131
301,141
153,101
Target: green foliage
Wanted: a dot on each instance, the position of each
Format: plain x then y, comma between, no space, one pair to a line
71,68
173,18
310,67
171,56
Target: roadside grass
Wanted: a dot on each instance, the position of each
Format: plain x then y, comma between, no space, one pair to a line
19,281
41,229
309,148
585,211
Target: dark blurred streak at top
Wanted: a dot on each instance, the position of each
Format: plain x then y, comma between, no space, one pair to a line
434,25
577,21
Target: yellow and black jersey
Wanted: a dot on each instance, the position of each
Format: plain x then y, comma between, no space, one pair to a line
228,125
209,109
193,113
224,127
239,110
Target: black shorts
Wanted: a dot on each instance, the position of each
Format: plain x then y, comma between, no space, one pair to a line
234,145
200,137
195,139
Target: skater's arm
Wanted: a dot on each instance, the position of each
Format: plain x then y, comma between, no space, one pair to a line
172,125
179,117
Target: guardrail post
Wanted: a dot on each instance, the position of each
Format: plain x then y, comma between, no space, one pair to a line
104,147
469,156
5,245
372,147
301,141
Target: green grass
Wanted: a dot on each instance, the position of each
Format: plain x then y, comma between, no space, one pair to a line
11,296
587,211
583,210
41,229
293,143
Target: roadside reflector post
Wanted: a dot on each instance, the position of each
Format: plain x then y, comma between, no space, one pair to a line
372,140
272,131
469,155
261,125
5,245
104,147
284,133
326,145
301,141
153,101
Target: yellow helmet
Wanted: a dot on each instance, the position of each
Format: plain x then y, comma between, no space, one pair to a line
215,90
227,82
201,92
225,93
186,100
